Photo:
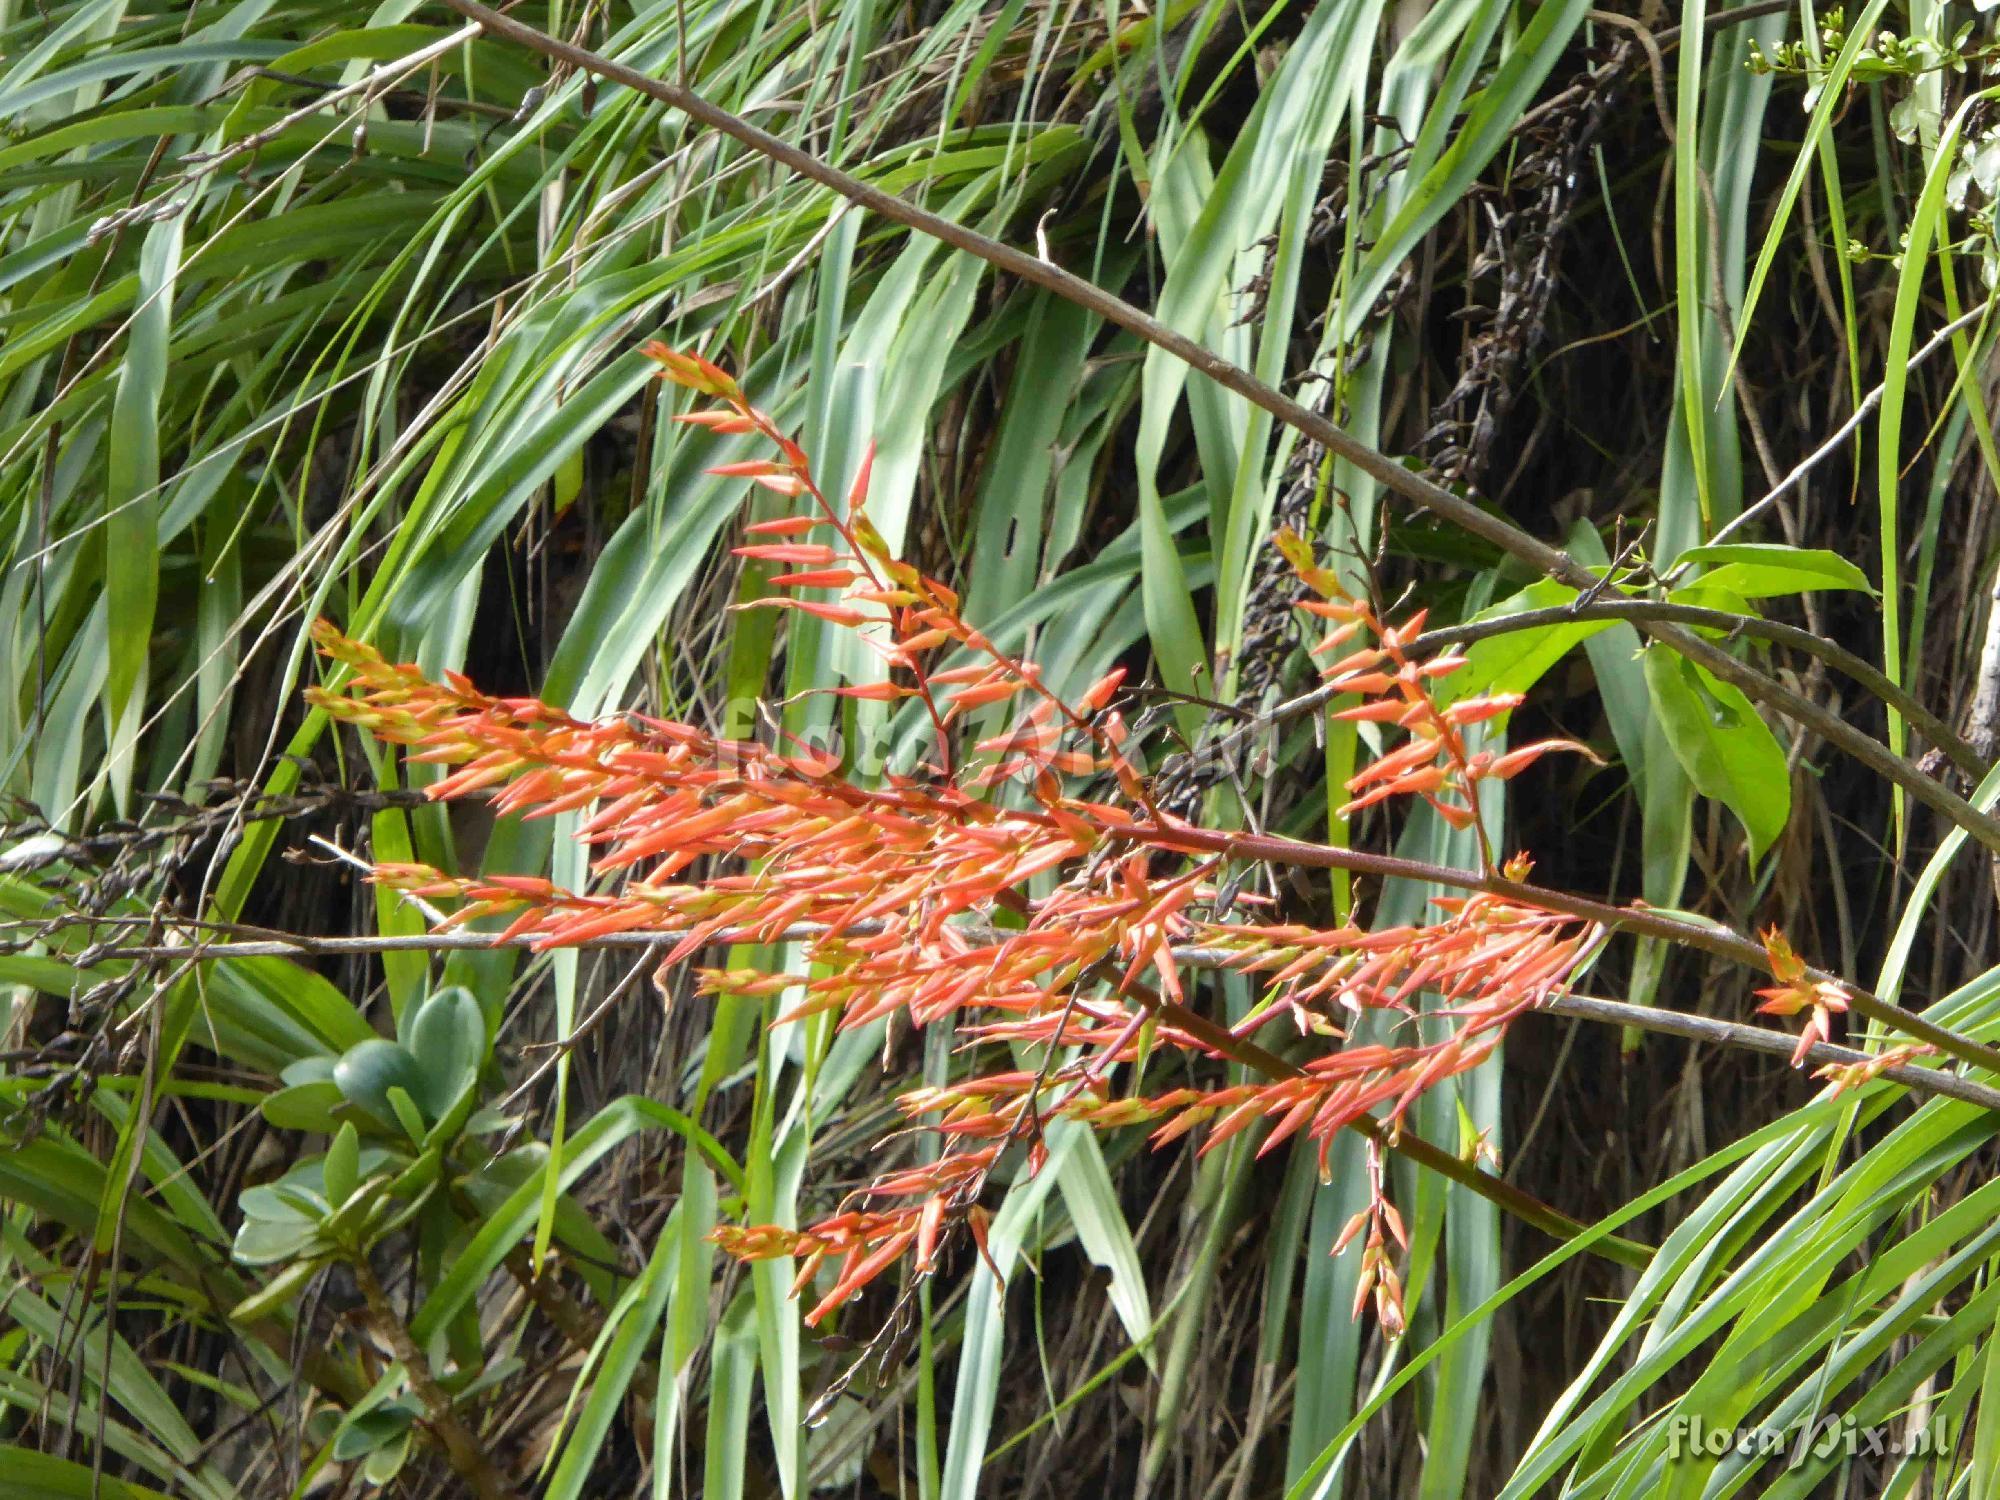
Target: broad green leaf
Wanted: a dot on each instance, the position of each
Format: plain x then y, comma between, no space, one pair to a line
28,1475
342,1170
1727,750
1756,570
275,1294
1515,660
1092,1200
448,1040
367,1072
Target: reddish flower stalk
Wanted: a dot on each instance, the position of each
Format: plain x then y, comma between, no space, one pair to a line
1037,918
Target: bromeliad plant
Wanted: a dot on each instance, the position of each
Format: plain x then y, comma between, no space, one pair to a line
1026,890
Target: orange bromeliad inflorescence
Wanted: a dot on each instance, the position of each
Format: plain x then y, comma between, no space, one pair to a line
1062,915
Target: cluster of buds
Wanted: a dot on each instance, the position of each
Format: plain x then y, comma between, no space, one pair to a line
817,850
1488,951
864,1243
1378,1267
1853,1075
1796,991
1062,915
1396,687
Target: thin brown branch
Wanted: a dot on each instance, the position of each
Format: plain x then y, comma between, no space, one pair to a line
1650,924
467,1454
1955,747
1763,1039
1713,938
1936,730
1641,921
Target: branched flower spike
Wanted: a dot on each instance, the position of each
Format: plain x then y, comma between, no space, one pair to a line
1434,763
1061,916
